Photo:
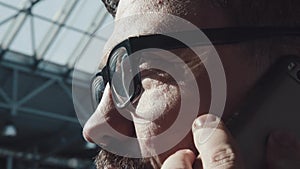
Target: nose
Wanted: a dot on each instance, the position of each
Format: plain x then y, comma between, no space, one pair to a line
107,123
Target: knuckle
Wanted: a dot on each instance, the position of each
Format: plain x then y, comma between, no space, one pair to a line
224,157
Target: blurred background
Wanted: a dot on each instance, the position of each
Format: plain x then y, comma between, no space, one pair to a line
42,43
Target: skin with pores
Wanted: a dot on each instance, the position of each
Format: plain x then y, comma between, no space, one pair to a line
160,98
167,94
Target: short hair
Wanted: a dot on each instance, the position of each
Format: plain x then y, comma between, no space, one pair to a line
111,6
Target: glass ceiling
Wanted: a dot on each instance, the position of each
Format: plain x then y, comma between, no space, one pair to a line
64,32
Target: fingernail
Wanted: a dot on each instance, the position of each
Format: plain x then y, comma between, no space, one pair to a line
283,139
205,119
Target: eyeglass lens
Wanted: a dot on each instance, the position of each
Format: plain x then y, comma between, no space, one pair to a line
121,74
98,86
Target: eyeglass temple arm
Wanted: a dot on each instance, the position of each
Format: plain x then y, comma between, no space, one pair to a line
219,36
215,36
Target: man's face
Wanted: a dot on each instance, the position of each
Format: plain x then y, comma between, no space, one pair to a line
160,99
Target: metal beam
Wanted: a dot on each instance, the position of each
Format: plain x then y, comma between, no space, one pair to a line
85,40
50,75
69,27
14,92
14,28
42,113
7,19
28,69
53,31
53,22
5,106
32,32
77,106
15,85
76,82
36,92
66,89
9,6
4,95
48,114
69,93
9,162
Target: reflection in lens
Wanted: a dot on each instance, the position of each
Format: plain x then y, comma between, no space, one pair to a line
98,87
121,76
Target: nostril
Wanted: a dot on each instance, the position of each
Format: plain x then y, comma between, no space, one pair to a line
103,141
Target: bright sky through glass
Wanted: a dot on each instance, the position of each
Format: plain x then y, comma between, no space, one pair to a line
58,31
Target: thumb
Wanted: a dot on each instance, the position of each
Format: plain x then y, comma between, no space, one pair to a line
214,143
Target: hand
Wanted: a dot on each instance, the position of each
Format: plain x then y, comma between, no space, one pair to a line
283,151
217,149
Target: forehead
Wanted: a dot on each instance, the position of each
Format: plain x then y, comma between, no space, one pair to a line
134,26
143,17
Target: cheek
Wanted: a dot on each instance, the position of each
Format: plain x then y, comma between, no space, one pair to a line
157,101
152,104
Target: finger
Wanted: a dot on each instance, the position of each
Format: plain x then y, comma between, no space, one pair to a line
283,151
182,159
215,144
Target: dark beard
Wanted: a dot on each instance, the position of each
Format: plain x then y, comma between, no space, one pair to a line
107,160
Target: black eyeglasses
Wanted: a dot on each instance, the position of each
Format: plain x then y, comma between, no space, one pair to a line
122,72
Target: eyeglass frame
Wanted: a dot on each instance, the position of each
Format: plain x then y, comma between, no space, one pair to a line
216,36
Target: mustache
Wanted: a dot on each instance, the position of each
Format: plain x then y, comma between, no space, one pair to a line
108,160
